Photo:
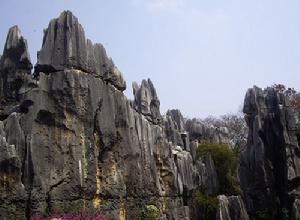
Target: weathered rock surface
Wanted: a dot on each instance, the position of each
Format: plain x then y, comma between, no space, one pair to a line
15,69
146,101
231,208
296,210
74,141
65,46
205,132
175,129
269,165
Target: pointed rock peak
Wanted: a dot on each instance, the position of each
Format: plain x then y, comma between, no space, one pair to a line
177,117
15,54
65,46
15,64
146,100
13,37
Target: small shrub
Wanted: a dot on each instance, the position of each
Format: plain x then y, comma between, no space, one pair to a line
150,212
285,213
263,215
206,203
226,165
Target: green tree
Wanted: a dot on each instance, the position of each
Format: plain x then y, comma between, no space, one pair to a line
226,164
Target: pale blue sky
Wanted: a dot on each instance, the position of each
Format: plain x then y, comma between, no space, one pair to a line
201,55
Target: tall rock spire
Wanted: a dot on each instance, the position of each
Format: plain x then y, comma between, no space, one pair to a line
65,46
15,63
269,164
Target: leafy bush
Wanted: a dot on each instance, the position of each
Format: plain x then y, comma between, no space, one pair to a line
207,203
150,212
285,213
263,215
226,165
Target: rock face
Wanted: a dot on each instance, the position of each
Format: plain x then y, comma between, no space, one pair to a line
296,210
15,69
269,165
146,101
205,132
71,140
175,129
65,46
231,208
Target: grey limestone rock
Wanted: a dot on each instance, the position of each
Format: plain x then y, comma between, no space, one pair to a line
15,65
296,210
146,101
73,140
175,129
205,132
65,46
269,165
231,208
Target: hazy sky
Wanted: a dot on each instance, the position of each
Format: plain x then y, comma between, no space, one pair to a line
201,55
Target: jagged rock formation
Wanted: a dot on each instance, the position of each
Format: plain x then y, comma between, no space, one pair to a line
231,208
65,46
15,68
175,129
269,165
207,133
146,101
70,139
295,215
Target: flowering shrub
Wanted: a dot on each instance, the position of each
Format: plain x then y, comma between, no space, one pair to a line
64,216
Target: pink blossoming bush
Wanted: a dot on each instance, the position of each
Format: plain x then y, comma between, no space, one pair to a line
64,216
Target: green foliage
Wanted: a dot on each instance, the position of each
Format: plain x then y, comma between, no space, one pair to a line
207,203
45,212
73,207
263,215
285,213
226,165
150,212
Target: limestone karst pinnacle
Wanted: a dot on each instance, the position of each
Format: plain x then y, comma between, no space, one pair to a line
70,140
15,64
65,45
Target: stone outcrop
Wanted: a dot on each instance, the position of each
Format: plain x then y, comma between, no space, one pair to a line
206,133
146,101
65,46
231,208
295,215
175,129
269,165
15,69
71,140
